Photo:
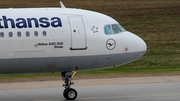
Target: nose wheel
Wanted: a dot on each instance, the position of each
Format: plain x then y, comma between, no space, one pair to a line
69,93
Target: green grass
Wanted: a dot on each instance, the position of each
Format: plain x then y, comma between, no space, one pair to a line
155,21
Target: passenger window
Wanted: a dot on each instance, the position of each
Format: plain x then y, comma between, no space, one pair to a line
10,34
44,33
27,33
2,34
35,33
19,34
107,29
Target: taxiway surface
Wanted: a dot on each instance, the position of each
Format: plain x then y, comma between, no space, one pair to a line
164,91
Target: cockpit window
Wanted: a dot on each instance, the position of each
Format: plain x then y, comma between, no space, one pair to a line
107,29
122,29
113,29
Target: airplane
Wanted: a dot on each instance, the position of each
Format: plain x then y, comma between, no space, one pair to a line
66,40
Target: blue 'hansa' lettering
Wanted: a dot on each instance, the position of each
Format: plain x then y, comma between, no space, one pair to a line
43,22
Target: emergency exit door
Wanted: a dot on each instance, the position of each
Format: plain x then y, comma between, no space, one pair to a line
78,33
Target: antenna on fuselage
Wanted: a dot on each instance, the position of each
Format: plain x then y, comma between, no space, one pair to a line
62,5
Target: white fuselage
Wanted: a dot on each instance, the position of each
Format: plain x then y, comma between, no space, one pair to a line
62,39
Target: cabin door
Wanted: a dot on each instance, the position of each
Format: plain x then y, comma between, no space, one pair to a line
78,33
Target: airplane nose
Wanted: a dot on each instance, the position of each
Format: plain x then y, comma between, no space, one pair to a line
141,46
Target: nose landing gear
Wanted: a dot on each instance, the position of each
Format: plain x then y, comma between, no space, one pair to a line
69,93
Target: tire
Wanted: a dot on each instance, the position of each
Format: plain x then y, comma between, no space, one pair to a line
65,93
70,94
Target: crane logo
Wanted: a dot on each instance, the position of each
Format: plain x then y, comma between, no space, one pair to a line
110,44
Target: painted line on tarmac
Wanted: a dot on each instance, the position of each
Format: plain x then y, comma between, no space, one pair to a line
116,97
138,96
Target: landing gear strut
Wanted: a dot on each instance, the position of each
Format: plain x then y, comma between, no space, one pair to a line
69,93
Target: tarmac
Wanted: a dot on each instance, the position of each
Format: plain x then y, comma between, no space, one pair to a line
91,82
161,88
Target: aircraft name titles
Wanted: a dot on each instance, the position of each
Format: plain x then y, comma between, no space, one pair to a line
42,22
